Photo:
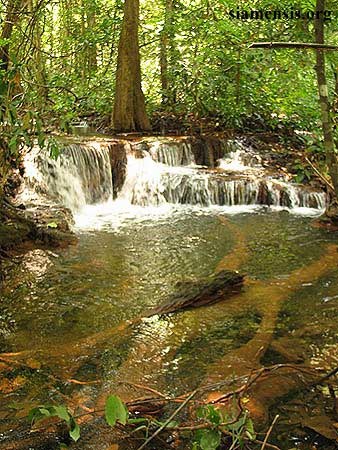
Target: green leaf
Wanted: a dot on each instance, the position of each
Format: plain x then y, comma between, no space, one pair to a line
41,140
140,420
250,432
210,440
172,424
201,412
62,412
213,415
115,410
33,413
239,424
45,412
74,431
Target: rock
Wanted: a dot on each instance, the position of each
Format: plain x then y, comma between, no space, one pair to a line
118,159
331,212
208,149
45,224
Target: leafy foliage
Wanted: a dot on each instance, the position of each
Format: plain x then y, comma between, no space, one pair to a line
71,72
207,438
60,411
240,428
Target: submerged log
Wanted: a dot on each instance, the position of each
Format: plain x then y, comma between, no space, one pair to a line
193,294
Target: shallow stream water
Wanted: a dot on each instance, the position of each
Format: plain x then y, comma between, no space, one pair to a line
54,300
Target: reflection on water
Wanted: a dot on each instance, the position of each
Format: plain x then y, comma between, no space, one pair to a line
113,276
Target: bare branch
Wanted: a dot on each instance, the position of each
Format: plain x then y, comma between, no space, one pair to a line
310,45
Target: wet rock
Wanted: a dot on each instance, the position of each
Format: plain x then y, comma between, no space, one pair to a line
118,159
208,149
331,212
264,195
44,224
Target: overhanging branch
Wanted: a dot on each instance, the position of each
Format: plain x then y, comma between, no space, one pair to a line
310,45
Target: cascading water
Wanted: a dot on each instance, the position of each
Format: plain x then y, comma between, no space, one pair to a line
240,158
158,178
172,154
159,174
80,175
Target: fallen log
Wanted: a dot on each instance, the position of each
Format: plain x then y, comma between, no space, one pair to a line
194,294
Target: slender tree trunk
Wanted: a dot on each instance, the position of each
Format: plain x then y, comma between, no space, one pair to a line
166,45
329,146
129,109
92,47
39,59
12,16
164,65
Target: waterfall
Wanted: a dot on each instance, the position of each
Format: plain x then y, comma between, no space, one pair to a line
80,175
151,184
172,153
240,158
160,172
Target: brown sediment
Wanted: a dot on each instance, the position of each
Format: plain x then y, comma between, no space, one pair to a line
239,253
267,300
149,356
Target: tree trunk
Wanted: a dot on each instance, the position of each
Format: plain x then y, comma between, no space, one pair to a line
38,57
129,109
166,48
329,145
92,47
7,85
12,16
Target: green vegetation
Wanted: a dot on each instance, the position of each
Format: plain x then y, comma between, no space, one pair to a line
210,427
62,63
62,60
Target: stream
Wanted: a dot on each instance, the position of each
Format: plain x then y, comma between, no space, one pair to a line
129,259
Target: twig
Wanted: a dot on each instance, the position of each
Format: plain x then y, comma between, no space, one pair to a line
269,432
327,376
321,176
273,447
73,380
174,414
145,388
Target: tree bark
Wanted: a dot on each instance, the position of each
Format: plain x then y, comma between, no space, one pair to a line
329,146
11,18
129,109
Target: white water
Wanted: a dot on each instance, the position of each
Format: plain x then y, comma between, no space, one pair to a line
81,175
172,153
166,179
240,158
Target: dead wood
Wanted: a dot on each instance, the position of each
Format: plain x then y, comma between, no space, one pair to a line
194,294
306,45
